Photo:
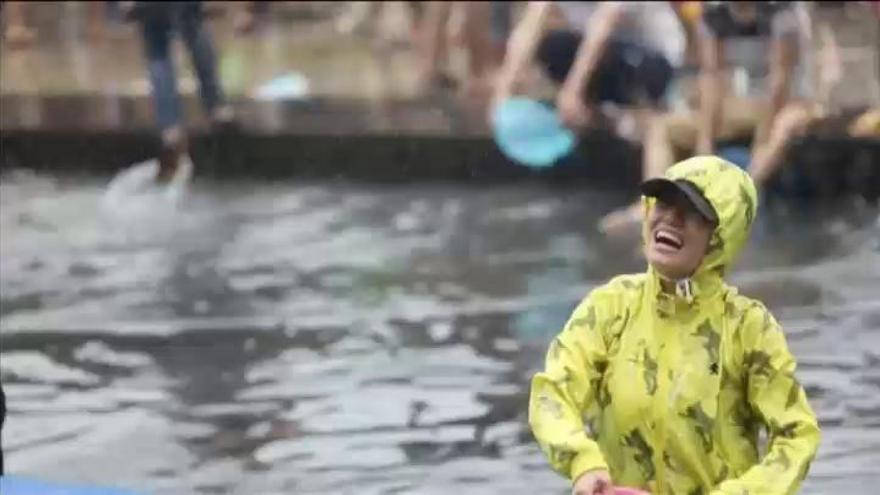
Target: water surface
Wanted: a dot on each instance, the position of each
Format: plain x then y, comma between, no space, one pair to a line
330,338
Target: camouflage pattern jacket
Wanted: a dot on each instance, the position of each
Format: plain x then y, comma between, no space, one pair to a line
668,392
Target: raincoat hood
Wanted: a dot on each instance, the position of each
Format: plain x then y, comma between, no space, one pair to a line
732,194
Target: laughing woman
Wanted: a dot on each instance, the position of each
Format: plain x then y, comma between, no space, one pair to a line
663,380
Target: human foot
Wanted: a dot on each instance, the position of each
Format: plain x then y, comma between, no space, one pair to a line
619,221
173,148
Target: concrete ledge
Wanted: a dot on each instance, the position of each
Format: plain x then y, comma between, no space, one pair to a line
438,116
387,141
374,157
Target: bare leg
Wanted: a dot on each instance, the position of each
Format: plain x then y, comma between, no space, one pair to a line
359,17
245,20
18,34
668,137
97,12
417,18
866,125
666,134
478,39
435,43
481,65
500,22
767,157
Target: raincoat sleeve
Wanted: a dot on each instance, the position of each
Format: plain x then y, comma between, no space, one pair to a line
567,386
778,400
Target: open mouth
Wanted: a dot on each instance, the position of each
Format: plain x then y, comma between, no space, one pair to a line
668,238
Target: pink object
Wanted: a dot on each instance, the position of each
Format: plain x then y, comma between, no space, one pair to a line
622,490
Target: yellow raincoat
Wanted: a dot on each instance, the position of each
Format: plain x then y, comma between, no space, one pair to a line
668,392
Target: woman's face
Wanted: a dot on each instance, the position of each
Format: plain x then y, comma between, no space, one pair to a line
678,237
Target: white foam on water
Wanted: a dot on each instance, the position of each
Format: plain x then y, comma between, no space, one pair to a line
136,204
36,367
95,351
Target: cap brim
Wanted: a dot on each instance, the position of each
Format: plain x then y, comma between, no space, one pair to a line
665,188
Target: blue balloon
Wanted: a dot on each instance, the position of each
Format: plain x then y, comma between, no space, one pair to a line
16,485
531,133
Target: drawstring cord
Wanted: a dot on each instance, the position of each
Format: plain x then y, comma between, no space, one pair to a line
684,289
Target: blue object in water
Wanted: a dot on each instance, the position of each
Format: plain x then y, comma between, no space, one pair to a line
15,485
738,155
531,133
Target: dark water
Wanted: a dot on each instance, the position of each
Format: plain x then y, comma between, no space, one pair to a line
281,338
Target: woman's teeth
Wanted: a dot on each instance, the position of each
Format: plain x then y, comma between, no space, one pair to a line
668,238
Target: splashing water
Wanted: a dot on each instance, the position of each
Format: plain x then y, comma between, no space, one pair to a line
134,203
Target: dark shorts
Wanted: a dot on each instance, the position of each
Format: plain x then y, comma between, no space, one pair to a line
628,73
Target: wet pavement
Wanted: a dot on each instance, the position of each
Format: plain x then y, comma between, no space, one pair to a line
333,338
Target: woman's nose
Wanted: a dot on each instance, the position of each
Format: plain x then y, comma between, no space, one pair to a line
674,214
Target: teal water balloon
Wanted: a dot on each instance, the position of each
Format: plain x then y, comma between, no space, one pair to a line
530,132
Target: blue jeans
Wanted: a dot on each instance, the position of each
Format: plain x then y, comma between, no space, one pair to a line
158,21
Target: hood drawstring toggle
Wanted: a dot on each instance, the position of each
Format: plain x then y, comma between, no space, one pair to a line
684,289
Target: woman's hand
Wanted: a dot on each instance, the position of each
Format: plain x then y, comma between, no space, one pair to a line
596,482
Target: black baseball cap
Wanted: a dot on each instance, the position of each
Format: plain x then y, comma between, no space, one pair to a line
665,188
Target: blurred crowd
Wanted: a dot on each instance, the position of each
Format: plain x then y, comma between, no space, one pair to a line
680,77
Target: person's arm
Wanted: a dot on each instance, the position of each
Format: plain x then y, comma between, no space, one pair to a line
711,90
688,27
600,26
828,69
783,58
779,401
566,387
521,48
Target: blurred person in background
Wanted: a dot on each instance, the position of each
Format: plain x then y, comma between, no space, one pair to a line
366,19
475,35
689,13
596,52
107,18
663,380
753,84
17,33
250,16
158,22
430,23
501,23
